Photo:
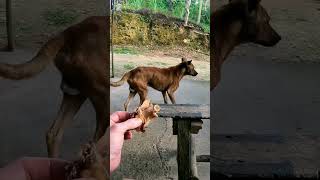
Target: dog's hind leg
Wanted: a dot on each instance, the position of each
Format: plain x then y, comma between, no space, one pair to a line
100,104
131,95
143,92
69,107
165,97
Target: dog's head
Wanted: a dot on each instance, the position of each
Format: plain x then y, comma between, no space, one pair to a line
256,26
189,67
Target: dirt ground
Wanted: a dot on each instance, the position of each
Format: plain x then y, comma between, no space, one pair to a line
35,21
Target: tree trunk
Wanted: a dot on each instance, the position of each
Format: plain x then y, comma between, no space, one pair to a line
10,35
170,6
187,12
206,4
200,10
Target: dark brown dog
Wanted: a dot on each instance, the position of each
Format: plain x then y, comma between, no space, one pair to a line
240,21
165,80
81,55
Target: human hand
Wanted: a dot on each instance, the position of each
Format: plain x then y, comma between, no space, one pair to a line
35,168
120,125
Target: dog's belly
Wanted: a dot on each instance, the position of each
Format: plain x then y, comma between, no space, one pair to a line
159,87
68,89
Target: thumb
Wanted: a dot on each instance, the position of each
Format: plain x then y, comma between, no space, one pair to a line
130,124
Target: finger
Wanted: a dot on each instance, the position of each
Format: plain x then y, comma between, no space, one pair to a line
128,135
119,116
13,171
130,124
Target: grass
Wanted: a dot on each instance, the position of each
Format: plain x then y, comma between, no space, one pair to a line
125,50
178,10
24,28
158,64
59,17
129,66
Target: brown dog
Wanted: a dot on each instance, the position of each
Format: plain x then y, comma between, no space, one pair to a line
81,55
165,80
240,21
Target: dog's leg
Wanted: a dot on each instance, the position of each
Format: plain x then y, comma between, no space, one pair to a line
143,92
143,96
172,97
165,97
69,107
100,104
131,95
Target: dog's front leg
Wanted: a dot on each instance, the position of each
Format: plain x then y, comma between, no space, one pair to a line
143,92
165,97
172,97
69,107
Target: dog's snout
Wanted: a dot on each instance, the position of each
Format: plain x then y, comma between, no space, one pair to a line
195,73
275,40
278,38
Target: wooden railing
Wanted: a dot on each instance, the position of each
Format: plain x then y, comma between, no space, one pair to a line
187,120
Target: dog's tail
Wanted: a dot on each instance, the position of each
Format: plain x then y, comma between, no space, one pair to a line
122,80
30,68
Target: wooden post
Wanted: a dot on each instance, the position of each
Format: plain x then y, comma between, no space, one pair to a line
111,40
184,149
194,169
10,35
186,157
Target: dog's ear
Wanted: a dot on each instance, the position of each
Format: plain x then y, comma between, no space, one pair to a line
250,4
189,62
253,5
184,59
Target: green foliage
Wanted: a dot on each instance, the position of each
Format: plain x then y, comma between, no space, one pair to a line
178,10
129,66
125,50
58,17
158,64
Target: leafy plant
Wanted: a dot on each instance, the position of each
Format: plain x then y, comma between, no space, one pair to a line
58,17
128,66
178,10
125,50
